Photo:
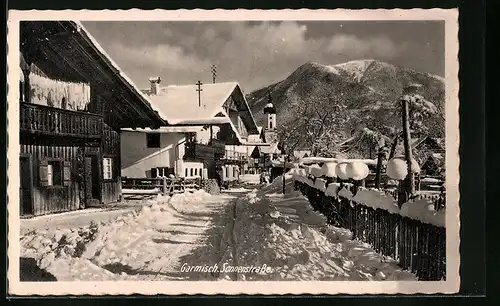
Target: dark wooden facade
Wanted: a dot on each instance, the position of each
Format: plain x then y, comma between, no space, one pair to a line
71,159
76,156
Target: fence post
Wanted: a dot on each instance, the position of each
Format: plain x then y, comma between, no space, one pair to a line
164,186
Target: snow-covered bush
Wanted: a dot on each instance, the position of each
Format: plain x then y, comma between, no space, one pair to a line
357,170
328,169
341,171
397,168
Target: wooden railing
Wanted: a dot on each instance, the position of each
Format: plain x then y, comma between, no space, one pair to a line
199,151
164,185
419,247
233,155
42,119
219,146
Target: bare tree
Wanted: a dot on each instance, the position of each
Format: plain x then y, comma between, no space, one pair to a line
315,125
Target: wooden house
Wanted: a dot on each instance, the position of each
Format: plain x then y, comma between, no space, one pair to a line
208,127
423,147
73,102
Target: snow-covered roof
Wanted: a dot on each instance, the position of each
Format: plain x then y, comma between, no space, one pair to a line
180,103
167,129
270,105
118,71
212,121
271,149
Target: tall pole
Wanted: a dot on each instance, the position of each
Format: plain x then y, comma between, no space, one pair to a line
214,73
380,157
284,166
199,90
410,180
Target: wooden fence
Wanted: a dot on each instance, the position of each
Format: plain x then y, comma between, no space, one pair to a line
164,184
419,247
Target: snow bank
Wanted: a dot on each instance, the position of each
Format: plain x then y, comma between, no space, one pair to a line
310,160
249,179
376,200
423,210
134,241
141,191
283,233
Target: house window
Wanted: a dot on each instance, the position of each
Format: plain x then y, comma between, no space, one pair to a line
50,173
186,172
108,168
195,172
191,171
270,124
160,172
54,172
153,140
201,172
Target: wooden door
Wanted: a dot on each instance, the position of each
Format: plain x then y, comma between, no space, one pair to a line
26,185
92,181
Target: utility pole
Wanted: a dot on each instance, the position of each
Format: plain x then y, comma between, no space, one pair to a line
214,73
410,180
380,157
199,90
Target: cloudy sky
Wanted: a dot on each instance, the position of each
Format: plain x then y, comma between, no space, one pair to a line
257,54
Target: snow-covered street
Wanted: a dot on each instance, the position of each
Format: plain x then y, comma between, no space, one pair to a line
239,235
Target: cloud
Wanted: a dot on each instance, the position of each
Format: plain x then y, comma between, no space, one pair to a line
254,54
156,57
380,47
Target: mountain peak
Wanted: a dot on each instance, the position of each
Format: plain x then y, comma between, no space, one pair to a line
367,91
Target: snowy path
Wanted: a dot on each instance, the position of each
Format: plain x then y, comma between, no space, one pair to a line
150,245
237,233
80,218
294,242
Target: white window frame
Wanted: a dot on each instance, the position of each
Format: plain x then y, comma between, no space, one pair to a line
50,175
107,167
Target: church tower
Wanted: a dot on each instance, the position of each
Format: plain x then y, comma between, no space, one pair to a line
270,113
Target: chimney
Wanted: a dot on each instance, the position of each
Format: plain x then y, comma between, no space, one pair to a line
155,85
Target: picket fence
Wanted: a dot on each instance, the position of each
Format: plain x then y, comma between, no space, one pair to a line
418,247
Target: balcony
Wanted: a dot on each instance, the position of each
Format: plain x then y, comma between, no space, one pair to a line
218,145
235,157
198,151
40,119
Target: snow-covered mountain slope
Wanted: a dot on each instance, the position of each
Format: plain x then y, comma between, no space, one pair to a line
370,90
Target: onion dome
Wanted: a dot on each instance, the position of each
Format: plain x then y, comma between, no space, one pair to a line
269,108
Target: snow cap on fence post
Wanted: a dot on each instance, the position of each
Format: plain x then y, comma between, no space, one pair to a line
316,171
397,168
328,169
357,170
341,171
307,169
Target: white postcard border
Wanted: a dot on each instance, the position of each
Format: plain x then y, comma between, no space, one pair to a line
451,285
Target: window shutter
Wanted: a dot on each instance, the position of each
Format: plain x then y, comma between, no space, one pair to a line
43,172
154,172
66,173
